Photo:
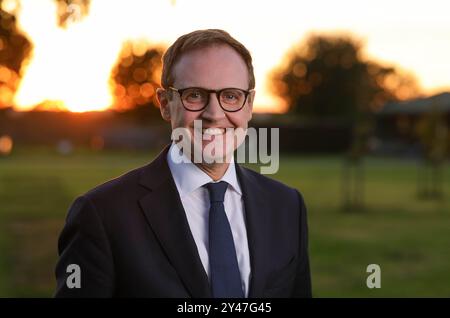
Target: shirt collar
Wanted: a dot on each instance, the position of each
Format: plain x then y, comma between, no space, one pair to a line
188,177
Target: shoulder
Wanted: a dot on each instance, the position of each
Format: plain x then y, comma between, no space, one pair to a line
124,182
115,193
109,202
134,183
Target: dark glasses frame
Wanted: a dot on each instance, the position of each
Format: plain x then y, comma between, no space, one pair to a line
180,91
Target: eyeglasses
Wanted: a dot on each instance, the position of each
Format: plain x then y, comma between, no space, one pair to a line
196,99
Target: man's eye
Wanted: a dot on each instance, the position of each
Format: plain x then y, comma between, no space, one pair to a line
230,96
194,95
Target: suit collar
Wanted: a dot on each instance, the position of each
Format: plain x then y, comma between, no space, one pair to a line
154,174
165,214
188,177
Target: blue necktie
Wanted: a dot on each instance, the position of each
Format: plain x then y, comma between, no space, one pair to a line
224,270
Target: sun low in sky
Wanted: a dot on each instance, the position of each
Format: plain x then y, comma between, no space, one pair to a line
72,66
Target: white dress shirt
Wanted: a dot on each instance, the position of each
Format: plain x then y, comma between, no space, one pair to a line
189,180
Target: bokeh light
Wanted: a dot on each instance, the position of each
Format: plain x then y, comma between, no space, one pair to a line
6,145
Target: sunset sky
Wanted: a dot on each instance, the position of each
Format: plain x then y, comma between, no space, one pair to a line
73,65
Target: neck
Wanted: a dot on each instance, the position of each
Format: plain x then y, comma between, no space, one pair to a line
216,170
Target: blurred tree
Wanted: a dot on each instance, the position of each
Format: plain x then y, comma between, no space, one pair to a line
14,48
70,11
327,77
434,137
135,78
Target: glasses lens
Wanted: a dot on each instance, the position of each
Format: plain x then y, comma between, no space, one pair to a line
194,98
232,99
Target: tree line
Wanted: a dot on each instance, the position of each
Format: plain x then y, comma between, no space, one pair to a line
324,76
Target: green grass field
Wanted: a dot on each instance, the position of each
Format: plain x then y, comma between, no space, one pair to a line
408,237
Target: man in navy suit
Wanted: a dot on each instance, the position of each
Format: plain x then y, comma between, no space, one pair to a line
182,227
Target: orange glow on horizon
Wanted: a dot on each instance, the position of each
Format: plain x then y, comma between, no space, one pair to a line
70,68
66,70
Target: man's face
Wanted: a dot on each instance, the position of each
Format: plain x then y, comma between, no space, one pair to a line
215,68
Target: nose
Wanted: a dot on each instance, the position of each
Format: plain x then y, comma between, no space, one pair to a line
213,111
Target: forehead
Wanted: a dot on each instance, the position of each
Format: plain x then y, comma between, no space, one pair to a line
211,67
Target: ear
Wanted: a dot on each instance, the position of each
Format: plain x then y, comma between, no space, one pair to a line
161,96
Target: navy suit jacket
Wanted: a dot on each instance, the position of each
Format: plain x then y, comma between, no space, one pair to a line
130,238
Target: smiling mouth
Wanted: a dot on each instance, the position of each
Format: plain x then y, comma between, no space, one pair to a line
213,131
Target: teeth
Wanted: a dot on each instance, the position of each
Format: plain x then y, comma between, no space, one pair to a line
213,131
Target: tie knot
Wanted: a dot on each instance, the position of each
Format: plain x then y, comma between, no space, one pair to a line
216,191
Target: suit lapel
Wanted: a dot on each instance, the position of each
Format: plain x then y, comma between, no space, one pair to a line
165,214
256,219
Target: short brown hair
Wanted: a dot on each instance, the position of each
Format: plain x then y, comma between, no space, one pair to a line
202,39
